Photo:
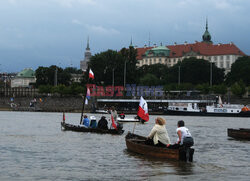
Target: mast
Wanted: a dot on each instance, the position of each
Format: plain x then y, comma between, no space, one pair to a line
84,96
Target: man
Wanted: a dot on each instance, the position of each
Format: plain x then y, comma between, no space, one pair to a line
184,136
86,121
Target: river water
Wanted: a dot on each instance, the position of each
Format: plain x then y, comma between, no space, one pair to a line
33,147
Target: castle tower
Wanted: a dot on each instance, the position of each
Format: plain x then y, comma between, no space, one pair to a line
206,37
87,55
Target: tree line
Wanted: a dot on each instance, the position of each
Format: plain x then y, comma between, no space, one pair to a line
119,68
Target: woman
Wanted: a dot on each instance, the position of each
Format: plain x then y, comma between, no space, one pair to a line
159,135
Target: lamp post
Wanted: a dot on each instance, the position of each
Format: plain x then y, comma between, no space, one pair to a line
113,78
179,74
125,73
211,73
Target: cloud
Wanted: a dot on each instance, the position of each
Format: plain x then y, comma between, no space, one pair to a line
71,3
13,2
102,30
77,22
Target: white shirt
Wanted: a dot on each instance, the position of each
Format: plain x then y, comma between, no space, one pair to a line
159,133
184,133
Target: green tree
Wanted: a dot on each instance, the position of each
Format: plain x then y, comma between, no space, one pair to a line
195,71
220,89
204,88
238,88
158,70
239,71
105,64
149,80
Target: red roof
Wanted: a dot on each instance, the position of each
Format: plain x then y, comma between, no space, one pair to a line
201,48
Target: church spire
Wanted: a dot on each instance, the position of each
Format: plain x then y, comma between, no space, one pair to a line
131,42
206,37
88,44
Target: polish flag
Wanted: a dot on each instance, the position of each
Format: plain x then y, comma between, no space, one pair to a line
143,110
91,74
113,122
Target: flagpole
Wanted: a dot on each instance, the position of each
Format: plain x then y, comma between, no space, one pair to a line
84,98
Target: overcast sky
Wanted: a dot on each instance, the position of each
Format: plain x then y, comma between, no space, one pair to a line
54,32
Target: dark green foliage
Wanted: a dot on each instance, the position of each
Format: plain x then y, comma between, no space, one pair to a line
240,70
220,89
204,88
238,88
149,80
195,71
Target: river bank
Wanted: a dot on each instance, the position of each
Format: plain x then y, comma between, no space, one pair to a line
64,104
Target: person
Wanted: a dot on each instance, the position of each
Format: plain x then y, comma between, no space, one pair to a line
245,109
159,135
102,123
122,115
93,123
184,135
114,113
86,121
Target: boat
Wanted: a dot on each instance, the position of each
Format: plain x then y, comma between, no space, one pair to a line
241,133
128,120
192,109
136,143
80,128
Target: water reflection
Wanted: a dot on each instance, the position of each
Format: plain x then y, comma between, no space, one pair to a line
179,167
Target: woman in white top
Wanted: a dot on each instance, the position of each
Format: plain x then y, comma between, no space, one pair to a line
184,135
159,134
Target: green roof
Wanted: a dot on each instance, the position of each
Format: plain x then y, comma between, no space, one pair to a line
28,72
158,51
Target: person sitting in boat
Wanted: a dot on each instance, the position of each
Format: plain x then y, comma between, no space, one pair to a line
102,123
159,135
245,109
122,115
86,121
184,135
93,123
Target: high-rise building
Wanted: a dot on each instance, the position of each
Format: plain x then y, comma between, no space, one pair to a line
87,55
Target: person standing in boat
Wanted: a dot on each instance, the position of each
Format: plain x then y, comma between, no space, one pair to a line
86,121
184,135
158,135
114,113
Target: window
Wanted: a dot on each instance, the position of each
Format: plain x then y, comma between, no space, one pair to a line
215,58
221,57
221,64
228,65
227,57
160,60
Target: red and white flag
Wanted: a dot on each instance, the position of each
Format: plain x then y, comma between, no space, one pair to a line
91,74
113,122
143,110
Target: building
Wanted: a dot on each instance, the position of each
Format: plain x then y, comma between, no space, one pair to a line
24,78
222,55
87,55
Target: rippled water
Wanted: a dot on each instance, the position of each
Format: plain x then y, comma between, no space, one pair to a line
33,147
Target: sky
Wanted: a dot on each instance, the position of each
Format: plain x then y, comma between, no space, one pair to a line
37,33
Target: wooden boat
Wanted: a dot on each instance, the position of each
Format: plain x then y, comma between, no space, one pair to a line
78,128
136,143
242,133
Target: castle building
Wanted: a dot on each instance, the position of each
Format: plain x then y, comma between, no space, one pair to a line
87,55
222,55
24,78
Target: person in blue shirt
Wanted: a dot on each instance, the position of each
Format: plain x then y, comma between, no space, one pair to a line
86,121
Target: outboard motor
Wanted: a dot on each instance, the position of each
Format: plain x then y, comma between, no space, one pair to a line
93,123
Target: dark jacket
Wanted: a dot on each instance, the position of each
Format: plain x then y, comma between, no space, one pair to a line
102,124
